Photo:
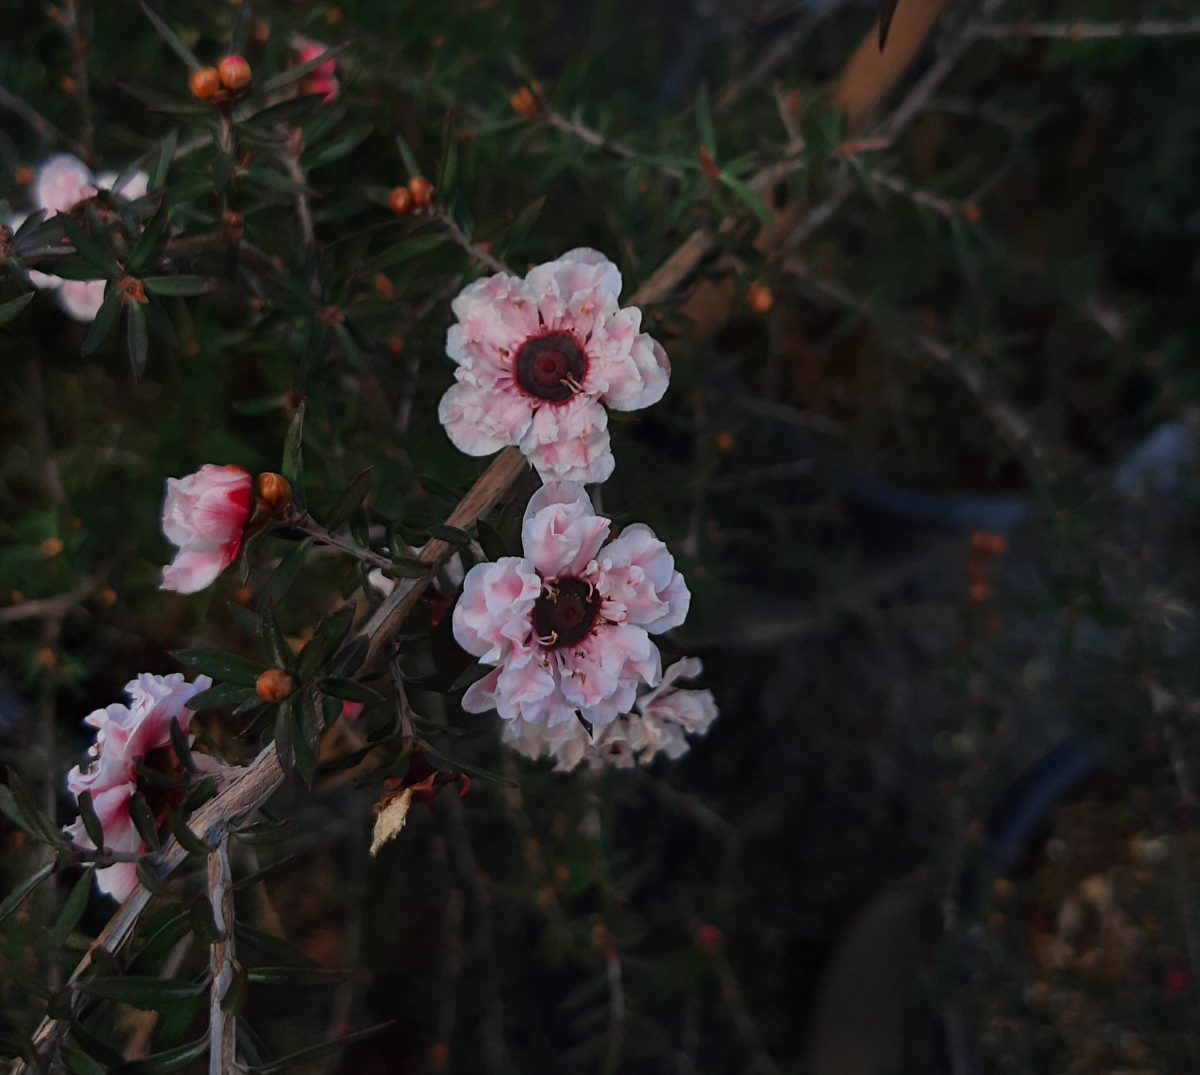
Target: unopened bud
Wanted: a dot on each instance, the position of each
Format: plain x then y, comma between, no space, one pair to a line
986,543
234,72
51,547
400,201
708,165
708,939
206,83
274,685
274,489
523,102
421,190
759,298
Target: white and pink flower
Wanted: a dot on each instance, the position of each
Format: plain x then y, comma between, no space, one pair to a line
323,78
205,514
567,626
125,736
660,722
540,358
62,183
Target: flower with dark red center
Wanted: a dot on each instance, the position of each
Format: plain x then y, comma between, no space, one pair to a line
540,358
205,514
125,736
567,626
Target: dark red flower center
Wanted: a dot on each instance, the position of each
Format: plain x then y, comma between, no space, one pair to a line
163,800
551,367
564,613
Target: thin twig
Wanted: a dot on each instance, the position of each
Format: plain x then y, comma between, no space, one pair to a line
476,251
79,48
616,1011
1095,31
222,1026
42,127
310,526
598,141
49,608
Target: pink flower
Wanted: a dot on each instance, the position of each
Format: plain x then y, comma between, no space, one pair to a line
323,79
661,720
125,735
204,514
62,183
567,626
539,359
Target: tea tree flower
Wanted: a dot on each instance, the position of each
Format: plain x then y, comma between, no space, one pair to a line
661,720
540,358
125,736
324,78
567,626
205,515
62,184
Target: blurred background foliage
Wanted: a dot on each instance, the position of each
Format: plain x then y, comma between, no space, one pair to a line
946,820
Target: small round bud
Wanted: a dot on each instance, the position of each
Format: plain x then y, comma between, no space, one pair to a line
24,175
107,597
274,685
759,298
400,201
523,102
421,190
274,489
234,72
724,441
986,543
51,547
980,592
397,345
46,657
708,939
206,83
971,212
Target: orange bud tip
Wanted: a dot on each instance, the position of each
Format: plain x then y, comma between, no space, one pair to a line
274,488
421,190
759,298
708,939
708,165
206,83
51,547
234,72
275,685
400,201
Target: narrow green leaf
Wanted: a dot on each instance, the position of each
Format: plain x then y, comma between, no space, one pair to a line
37,821
147,992
187,839
73,907
348,690
294,74
406,250
150,240
170,37
226,667
275,948
490,540
277,586
159,944
149,879
302,1056
144,820
406,155
88,248
79,1063
10,309
200,793
22,889
182,746
293,454
105,319
179,285
334,627
136,338
203,924
281,653
756,205
704,120
350,498
285,734
91,823
307,736
298,976
158,178
220,696
264,832
451,534
166,1062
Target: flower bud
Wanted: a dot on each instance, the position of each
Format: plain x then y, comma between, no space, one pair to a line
206,83
421,190
708,939
523,102
400,201
274,489
234,72
274,685
759,298
51,547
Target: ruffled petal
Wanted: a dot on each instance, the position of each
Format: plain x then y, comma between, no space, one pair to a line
495,610
570,442
561,532
481,422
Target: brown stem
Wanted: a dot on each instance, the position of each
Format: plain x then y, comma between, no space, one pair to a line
222,1026
79,47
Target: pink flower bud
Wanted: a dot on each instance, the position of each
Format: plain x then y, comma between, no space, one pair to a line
204,515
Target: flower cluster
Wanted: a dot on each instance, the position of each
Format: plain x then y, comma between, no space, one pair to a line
62,184
127,735
540,358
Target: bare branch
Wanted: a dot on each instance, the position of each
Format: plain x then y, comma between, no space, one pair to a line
1096,31
222,1026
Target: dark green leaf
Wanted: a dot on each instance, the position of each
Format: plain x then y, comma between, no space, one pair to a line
289,1062
148,877
267,944
204,925
409,567
297,976
704,121
307,736
264,832
265,120
10,309
159,944
294,74
105,319
158,178
756,205
350,498
23,888
348,690
200,793
220,696
179,285
147,992
136,338
406,250
406,155
226,667
293,455
36,822
282,578
150,240
73,907
187,839
88,247
91,823
170,37
285,734
166,1062
79,1063
490,541
144,820
450,534
95,1047
182,746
